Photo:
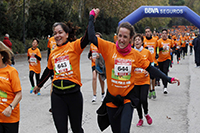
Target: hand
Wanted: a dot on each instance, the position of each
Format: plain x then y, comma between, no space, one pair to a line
95,12
97,56
7,112
36,89
175,80
146,73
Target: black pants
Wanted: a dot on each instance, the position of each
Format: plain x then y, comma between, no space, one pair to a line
37,76
178,54
164,67
122,123
67,106
9,127
142,93
183,51
190,49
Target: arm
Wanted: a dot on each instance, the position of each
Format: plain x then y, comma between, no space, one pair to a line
157,73
45,76
37,57
84,40
91,32
7,112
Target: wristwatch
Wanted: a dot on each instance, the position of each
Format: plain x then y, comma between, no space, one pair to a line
11,106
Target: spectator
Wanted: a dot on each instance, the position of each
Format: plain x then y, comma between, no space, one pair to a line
8,43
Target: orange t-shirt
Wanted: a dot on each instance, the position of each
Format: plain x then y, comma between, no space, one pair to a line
65,62
9,85
140,78
177,44
156,37
164,54
94,51
152,45
190,41
120,69
34,64
183,41
51,43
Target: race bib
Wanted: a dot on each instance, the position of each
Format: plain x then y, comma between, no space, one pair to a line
94,54
177,47
151,49
122,67
62,64
33,60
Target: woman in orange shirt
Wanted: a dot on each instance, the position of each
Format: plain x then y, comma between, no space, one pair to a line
142,81
120,61
64,62
10,93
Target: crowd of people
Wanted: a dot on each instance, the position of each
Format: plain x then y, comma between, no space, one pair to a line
132,65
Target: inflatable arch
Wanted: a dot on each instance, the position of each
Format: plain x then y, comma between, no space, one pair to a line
163,11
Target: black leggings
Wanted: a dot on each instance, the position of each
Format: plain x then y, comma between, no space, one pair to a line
142,93
178,54
9,127
164,67
37,76
122,123
64,106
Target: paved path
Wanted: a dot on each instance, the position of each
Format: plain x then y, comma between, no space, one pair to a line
177,112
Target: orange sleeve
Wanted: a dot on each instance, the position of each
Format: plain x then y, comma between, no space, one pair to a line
49,64
15,81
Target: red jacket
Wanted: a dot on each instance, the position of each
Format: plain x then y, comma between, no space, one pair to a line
7,42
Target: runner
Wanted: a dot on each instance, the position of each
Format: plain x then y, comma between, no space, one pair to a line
34,58
183,45
64,62
142,82
190,44
10,93
151,43
121,61
177,43
164,58
92,55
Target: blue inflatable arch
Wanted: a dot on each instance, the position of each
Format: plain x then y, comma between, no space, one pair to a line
163,11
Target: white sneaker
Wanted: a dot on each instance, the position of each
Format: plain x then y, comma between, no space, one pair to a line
102,97
94,99
165,91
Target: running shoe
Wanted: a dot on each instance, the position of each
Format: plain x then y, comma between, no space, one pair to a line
140,123
102,97
149,120
177,62
94,99
165,91
31,91
39,94
150,95
154,94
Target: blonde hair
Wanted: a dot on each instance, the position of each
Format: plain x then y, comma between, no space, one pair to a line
6,53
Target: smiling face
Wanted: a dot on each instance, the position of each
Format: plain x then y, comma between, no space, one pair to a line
138,42
123,37
60,35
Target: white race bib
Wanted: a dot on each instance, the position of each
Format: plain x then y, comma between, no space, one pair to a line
122,67
33,60
151,49
62,64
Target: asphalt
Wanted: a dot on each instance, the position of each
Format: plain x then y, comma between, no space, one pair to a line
176,112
